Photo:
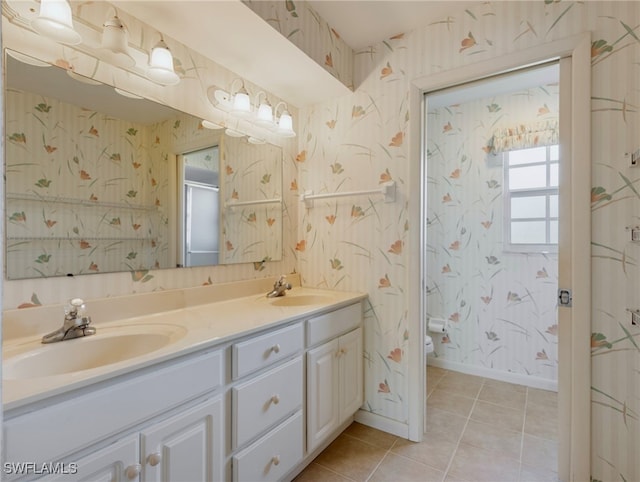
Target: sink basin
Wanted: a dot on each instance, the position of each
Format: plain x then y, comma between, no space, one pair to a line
301,300
107,346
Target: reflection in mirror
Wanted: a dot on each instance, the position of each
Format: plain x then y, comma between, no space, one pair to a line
251,187
90,179
200,201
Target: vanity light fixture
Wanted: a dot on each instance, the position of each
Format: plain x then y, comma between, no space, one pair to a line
242,110
55,22
285,123
241,101
115,43
161,65
264,114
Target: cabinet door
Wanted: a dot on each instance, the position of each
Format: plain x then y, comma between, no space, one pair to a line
118,462
351,373
187,447
322,393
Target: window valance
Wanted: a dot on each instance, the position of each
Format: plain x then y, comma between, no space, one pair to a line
524,136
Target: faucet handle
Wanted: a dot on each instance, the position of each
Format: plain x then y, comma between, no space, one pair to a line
75,308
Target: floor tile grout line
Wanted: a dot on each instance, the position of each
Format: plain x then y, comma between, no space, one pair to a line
466,423
333,471
524,423
381,460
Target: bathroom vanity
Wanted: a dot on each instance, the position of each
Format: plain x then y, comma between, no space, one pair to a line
241,388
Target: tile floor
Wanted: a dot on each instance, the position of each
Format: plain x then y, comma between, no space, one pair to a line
478,430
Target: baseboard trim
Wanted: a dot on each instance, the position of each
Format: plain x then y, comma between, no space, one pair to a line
382,423
518,378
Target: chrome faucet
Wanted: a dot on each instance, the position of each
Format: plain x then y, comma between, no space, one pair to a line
75,325
279,287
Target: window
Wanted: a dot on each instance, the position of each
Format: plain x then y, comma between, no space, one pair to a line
531,199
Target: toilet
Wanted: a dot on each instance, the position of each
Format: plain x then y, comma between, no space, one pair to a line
428,344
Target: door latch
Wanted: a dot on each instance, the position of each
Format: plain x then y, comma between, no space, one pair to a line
565,298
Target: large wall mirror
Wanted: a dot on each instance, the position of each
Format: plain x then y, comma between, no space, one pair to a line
99,180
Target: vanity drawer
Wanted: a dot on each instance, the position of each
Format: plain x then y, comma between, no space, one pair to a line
265,400
330,325
275,454
262,351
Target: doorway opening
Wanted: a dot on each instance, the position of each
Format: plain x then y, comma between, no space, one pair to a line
574,276
492,214
492,191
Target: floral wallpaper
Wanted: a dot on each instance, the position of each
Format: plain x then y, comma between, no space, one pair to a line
84,192
359,141
307,30
501,306
251,233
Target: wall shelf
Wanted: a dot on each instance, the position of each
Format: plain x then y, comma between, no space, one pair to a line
78,202
77,239
388,190
235,204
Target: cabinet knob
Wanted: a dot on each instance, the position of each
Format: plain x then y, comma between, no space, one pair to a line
133,471
154,459
276,348
275,460
275,399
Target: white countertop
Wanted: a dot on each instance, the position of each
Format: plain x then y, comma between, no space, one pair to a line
197,327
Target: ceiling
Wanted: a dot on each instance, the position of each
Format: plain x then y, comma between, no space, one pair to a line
237,38
361,23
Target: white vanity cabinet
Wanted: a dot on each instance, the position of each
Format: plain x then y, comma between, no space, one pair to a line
129,420
334,372
250,408
186,447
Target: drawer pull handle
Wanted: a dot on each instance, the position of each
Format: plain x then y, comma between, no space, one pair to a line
276,348
154,459
275,400
275,460
133,471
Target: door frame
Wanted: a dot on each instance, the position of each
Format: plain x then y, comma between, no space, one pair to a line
574,371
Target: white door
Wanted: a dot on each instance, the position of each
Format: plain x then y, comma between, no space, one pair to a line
350,373
323,414
118,462
187,447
